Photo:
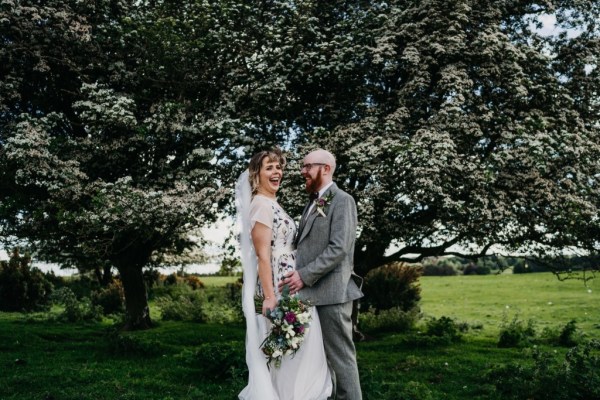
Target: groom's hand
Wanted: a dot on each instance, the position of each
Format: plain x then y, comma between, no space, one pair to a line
294,282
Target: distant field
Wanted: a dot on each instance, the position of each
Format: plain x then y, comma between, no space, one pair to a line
537,296
488,299
213,281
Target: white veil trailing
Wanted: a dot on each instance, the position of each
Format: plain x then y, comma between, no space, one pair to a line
259,379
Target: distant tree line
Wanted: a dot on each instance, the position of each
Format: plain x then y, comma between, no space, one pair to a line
449,266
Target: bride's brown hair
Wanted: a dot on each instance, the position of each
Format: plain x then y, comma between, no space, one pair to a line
275,154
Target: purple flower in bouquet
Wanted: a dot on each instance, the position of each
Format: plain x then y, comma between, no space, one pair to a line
290,321
290,317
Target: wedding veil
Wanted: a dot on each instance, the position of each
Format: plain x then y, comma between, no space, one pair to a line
259,379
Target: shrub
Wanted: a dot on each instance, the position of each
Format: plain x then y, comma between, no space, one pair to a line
474,269
23,288
182,308
438,269
194,282
197,306
575,378
234,292
516,333
222,313
217,360
76,310
568,334
171,279
82,285
111,298
392,320
393,285
445,327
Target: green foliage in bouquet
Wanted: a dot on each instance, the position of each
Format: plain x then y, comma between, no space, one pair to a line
290,321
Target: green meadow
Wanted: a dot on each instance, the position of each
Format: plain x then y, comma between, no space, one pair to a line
491,299
43,359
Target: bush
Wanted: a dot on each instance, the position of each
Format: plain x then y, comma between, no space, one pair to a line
183,308
194,282
171,279
392,320
23,288
82,285
445,327
392,285
111,298
438,269
575,378
198,306
474,269
516,333
567,335
234,293
76,310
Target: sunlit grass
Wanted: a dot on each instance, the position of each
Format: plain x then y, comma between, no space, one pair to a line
488,299
213,280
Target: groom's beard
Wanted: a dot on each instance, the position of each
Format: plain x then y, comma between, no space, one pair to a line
313,185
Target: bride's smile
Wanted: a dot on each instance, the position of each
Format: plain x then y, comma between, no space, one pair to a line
271,174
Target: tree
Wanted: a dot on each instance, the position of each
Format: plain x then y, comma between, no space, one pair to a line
104,157
474,131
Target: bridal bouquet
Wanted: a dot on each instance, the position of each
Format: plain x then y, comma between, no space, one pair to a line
290,320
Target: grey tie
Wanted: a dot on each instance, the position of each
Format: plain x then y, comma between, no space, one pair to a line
312,197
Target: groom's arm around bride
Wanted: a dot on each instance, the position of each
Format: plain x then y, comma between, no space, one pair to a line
324,267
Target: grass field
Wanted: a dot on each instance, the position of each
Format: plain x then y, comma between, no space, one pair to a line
176,360
213,280
488,299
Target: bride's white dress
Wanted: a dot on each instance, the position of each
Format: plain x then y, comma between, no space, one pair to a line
303,376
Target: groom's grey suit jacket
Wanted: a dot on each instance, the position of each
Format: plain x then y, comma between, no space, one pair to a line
325,251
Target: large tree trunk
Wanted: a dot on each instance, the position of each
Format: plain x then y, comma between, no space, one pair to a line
130,264
136,300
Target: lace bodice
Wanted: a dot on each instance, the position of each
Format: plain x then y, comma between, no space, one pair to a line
283,230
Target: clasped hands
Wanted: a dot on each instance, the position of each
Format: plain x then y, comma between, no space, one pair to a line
294,282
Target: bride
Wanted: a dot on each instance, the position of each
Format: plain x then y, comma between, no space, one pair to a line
266,241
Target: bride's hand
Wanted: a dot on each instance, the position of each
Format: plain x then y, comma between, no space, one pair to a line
269,303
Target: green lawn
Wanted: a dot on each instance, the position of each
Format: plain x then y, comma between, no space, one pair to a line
488,299
181,360
213,280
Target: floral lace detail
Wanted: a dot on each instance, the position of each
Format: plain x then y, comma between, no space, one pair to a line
283,254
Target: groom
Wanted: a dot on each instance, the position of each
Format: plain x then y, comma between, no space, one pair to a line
325,251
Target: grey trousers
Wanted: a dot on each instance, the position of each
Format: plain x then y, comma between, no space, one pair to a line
336,324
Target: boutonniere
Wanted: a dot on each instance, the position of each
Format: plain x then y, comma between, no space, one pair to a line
323,202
